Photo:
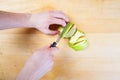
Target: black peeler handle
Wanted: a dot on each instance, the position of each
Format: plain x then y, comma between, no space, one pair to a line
53,44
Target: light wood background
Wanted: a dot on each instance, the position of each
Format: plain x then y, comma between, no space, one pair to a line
99,19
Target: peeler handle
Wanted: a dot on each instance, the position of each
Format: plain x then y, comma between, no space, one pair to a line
53,44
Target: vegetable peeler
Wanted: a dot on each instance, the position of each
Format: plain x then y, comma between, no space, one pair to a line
58,39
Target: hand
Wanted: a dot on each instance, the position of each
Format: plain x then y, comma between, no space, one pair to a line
43,20
38,64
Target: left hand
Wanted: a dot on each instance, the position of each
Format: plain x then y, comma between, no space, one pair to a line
42,21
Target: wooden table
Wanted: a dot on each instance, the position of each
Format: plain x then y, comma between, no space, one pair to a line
100,19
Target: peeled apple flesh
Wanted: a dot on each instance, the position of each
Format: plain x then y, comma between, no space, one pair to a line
77,39
71,32
74,38
66,30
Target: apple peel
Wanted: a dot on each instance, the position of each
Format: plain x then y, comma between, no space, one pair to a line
76,36
77,39
67,28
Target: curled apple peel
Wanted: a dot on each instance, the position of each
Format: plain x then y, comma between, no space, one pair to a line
77,39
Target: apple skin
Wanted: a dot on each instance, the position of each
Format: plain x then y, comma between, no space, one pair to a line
79,46
66,30
71,31
75,37
78,41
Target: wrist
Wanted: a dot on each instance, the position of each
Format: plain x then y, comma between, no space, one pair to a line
32,20
26,72
28,21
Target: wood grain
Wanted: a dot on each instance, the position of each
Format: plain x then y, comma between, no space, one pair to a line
99,19
88,15
99,61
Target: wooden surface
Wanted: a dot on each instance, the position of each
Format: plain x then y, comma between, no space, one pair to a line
88,15
100,19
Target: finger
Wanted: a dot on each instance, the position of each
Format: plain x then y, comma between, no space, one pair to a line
52,32
59,14
51,50
58,21
54,50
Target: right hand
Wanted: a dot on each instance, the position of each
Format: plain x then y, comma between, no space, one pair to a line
38,64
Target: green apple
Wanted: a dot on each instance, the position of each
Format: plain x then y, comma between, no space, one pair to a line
79,46
77,39
68,31
71,32
81,39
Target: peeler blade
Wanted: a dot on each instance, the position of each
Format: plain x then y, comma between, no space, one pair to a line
58,39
